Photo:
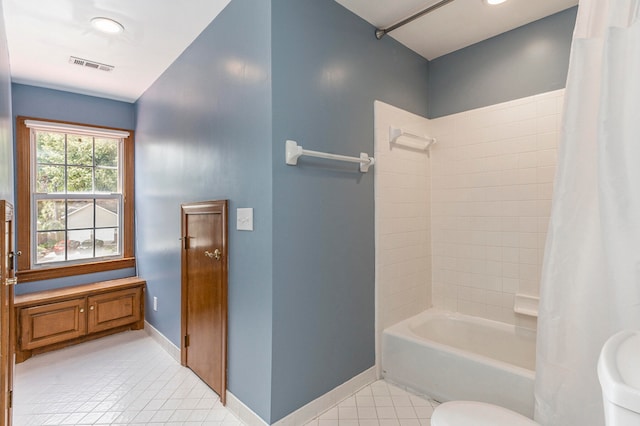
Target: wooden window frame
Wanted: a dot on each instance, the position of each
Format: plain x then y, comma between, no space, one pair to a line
23,209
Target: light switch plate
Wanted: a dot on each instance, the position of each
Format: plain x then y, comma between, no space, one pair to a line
245,219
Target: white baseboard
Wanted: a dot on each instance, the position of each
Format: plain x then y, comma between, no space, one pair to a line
305,414
162,340
308,412
302,415
242,412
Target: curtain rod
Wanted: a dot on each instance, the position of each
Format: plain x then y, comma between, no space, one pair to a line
381,32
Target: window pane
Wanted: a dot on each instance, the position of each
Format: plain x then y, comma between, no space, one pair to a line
107,214
79,179
80,214
50,215
83,243
80,150
106,180
107,242
50,147
69,165
50,247
50,179
106,154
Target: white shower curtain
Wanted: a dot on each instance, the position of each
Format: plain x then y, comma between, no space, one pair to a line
591,275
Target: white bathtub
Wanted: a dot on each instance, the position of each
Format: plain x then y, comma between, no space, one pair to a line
450,356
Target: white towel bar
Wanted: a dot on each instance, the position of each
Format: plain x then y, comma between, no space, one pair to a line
294,151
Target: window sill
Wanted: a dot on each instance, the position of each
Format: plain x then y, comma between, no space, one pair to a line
71,270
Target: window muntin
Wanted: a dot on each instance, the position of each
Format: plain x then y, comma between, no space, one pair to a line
77,197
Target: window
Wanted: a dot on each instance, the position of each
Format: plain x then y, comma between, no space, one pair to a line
75,199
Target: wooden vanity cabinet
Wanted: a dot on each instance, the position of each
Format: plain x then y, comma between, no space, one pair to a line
113,309
53,319
44,325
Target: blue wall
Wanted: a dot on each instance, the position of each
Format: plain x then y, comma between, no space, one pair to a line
38,102
6,127
302,296
523,62
203,133
30,287
328,69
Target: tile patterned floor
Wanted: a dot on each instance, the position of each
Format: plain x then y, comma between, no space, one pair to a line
379,404
128,379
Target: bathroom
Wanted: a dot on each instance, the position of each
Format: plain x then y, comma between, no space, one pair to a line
303,316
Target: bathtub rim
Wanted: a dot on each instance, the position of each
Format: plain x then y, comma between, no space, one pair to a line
403,329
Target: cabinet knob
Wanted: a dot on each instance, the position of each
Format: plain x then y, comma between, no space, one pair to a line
81,310
91,307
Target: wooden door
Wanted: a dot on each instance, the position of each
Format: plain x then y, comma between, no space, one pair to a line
204,292
7,280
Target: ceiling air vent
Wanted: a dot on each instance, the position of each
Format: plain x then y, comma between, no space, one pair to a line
90,64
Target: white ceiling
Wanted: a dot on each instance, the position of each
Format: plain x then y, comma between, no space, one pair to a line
455,25
43,34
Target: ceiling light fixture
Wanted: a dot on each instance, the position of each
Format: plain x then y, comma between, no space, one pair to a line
107,25
494,2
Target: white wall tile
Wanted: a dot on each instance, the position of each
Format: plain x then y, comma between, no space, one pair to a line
547,106
492,180
479,205
547,157
403,191
528,240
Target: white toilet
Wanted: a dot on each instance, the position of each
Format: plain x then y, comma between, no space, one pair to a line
619,374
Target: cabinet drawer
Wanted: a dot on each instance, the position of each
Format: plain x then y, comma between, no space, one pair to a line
114,309
52,323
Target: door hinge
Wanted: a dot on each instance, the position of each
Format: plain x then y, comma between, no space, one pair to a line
11,398
186,341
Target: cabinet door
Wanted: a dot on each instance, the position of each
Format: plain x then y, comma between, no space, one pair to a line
52,323
114,309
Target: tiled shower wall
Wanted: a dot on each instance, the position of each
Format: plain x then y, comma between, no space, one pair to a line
402,205
492,173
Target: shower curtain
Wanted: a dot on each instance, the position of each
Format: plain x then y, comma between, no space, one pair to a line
590,285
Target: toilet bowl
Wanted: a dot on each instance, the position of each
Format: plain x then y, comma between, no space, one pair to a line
465,413
619,375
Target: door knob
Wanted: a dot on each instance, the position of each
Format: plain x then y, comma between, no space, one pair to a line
217,254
